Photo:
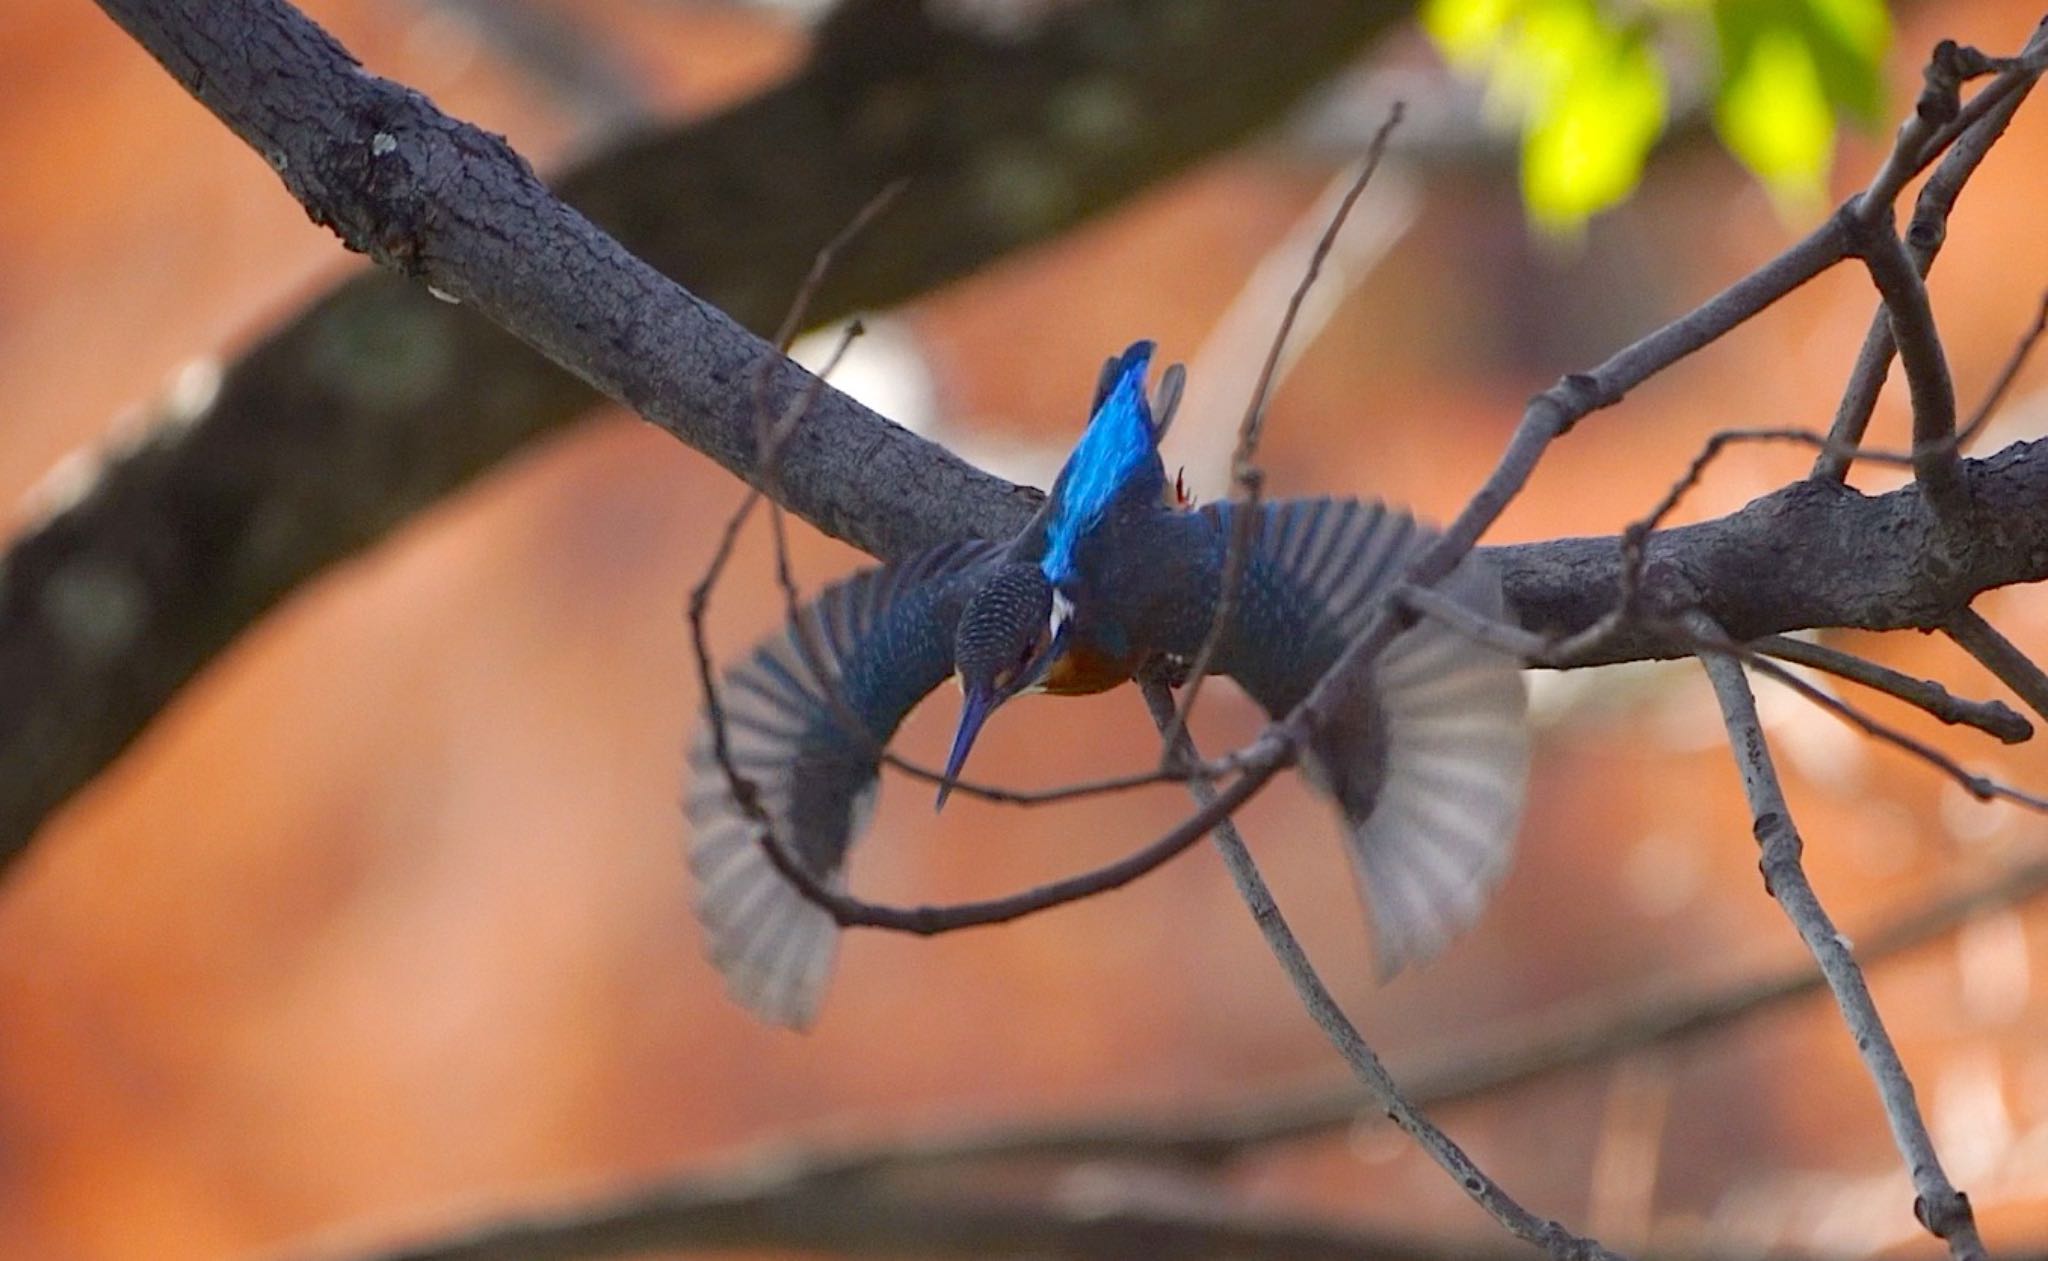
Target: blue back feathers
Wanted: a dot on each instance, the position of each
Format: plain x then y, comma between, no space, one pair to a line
1117,456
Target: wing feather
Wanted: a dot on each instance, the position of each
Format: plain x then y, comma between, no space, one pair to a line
1428,764
883,640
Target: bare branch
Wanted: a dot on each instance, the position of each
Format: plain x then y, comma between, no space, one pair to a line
1245,475
2001,656
1936,463
1984,121
1262,760
1351,1044
1994,718
301,463
1551,414
1940,119
1938,1206
1811,554
1982,787
1635,537
633,318
1995,396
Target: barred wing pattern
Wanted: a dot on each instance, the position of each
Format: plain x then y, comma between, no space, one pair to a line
1429,763
884,639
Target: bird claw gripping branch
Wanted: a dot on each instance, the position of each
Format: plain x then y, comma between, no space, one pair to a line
1426,764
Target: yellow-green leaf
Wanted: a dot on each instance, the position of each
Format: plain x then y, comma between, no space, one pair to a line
1585,146
1467,30
1773,112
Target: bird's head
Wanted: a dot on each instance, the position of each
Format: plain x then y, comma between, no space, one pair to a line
1008,636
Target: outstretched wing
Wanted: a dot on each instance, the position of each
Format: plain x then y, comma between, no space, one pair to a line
883,638
1428,764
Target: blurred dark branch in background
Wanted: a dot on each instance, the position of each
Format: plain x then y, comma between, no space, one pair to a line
851,1199
588,78
378,401
1580,1035
110,605
808,1207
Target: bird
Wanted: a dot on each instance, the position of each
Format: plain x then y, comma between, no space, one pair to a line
1426,765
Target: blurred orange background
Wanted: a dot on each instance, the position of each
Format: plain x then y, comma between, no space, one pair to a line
385,923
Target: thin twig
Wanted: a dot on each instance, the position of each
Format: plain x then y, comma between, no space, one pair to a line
1937,466
821,263
1938,1206
1556,410
1365,1063
2002,657
769,438
1576,1035
1940,117
1983,122
1995,396
1982,787
846,910
1263,760
1994,718
1246,477
1635,537
1538,650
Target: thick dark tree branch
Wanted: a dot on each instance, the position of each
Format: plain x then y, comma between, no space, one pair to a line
379,400
1867,562
166,558
443,201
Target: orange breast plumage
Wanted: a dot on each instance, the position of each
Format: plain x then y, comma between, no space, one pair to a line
1080,672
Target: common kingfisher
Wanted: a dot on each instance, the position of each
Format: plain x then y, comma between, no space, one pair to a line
1426,765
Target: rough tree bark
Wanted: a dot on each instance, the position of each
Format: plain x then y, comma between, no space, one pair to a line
114,602
454,208
107,608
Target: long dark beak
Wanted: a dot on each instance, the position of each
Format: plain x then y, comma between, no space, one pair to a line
973,712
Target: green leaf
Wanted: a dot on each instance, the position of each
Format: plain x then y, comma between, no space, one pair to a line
1584,82
1788,69
1585,145
1772,110
1848,39
1587,93
1467,30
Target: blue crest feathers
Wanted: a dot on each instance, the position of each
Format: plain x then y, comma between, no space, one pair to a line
1117,455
